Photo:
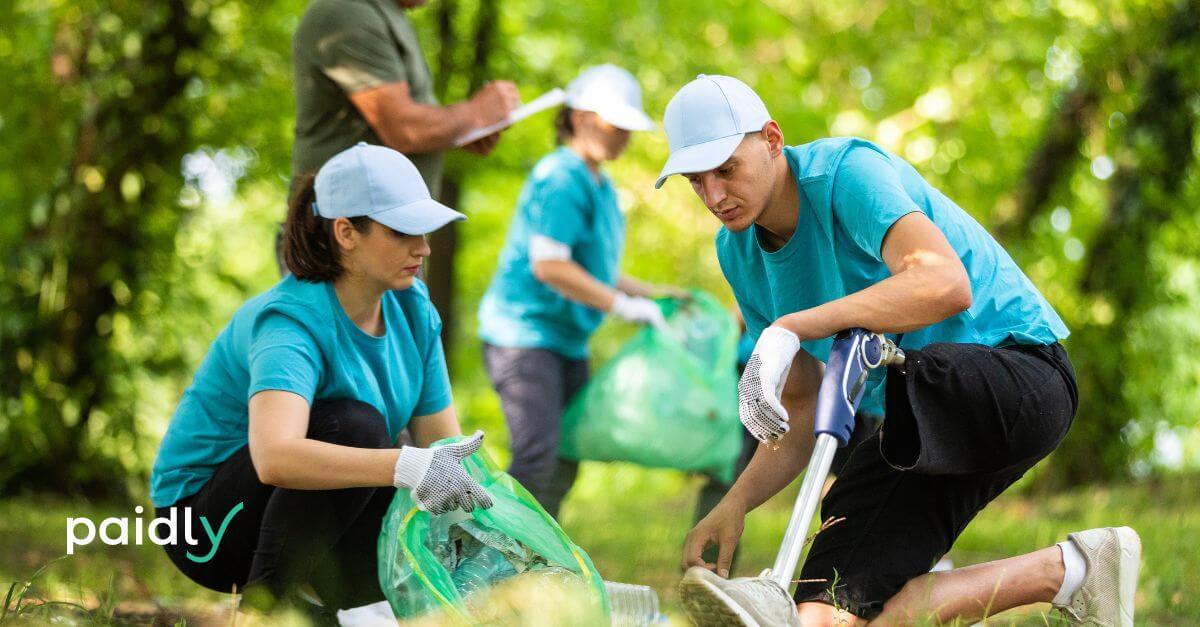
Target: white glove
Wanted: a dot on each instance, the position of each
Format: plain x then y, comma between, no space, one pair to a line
761,386
437,478
639,310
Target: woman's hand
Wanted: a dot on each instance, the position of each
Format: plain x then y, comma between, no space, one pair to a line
722,527
638,310
438,479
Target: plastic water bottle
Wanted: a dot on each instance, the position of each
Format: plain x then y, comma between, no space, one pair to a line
632,605
481,571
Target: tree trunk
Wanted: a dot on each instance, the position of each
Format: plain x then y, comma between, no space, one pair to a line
1054,159
444,242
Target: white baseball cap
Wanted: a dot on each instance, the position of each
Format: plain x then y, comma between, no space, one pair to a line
382,184
706,120
613,94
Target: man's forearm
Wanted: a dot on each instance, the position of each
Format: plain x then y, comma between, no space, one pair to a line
411,127
775,465
913,299
426,128
771,469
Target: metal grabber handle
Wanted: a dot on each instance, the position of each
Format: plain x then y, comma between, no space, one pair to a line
855,352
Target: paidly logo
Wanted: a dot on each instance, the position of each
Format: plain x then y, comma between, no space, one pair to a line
114,531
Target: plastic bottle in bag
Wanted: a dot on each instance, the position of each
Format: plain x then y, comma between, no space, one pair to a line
481,570
632,605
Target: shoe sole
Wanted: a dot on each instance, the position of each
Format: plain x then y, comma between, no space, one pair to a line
1131,563
707,606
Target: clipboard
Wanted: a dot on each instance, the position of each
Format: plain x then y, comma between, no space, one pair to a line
552,98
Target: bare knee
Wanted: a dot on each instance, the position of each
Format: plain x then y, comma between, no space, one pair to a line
816,613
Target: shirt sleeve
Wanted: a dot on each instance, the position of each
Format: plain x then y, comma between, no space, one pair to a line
435,391
558,209
868,198
354,49
283,356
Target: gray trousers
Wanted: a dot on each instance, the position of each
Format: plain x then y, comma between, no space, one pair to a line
535,385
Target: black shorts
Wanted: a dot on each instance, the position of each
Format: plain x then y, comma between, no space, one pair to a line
963,422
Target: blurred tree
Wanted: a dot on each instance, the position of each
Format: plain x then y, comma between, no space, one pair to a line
1156,155
110,113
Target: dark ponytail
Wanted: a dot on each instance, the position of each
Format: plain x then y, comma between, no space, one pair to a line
310,250
564,129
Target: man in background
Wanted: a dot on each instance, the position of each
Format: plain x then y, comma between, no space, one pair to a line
361,77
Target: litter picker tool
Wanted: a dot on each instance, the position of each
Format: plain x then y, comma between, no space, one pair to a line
854,354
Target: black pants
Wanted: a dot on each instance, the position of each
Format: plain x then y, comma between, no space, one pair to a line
282,537
535,386
963,422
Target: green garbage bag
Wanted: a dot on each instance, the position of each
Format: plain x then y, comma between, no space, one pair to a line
431,562
666,399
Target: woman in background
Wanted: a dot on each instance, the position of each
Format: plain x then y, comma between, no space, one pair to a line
559,275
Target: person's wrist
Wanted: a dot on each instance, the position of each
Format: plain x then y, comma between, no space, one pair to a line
802,324
475,113
733,505
411,466
620,303
781,337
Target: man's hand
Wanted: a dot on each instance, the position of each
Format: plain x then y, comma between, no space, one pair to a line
494,101
761,386
484,145
722,527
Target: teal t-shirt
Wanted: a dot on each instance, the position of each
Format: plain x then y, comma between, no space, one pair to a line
563,201
851,193
296,337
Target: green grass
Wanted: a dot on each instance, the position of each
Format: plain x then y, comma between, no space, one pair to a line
640,539
632,521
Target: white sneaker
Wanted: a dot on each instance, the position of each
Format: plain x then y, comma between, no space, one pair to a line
712,601
1113,556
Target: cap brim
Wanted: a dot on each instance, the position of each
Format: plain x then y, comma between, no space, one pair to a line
699,157
420,217
627,118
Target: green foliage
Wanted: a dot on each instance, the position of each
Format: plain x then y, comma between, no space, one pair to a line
108,116
120,267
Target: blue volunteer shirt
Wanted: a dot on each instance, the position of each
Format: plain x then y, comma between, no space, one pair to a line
296,337
563,201
851,193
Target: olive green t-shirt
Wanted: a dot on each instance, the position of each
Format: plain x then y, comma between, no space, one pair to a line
346,46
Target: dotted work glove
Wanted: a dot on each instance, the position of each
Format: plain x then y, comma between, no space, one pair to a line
437,478
639,310
761,386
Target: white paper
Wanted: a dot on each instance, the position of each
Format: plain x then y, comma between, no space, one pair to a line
552,98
